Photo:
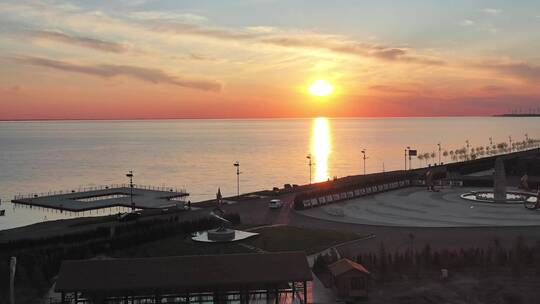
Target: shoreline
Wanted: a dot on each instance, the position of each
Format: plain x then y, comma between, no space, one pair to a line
255,206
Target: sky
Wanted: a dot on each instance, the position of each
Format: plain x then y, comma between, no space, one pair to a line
146,59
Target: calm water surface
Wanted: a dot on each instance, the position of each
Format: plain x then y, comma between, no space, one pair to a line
199,154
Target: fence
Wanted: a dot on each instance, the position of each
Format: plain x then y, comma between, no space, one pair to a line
99,188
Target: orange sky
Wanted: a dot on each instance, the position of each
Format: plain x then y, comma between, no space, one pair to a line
76,60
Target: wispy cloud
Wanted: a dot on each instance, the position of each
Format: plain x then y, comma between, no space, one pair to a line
522,70
108,70
92,43
354,48
492,11
205,31
161,15
467,22
493,89
161,24
390,89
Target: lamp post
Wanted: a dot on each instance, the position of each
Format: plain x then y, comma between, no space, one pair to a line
439,144
467,142
405,158
237,165
510,140
130,176
410,159
490,141
364,157
310,163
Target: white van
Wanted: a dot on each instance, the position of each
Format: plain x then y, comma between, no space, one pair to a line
275,204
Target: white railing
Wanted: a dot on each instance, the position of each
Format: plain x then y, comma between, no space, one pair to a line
99,188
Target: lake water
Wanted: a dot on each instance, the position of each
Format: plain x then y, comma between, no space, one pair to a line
40,156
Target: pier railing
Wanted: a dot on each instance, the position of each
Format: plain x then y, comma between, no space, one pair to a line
99,188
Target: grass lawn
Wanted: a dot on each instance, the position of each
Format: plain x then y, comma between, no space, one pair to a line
287,238
176,246
270,239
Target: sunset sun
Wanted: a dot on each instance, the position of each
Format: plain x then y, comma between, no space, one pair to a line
321,87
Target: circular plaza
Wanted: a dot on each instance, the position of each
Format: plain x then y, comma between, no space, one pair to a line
418,207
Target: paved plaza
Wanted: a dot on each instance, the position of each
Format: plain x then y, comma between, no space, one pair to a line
417,207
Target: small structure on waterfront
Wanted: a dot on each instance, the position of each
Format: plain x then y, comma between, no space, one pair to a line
349,279
139,197
229,278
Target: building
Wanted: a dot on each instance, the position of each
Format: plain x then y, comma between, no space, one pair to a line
232,278
349,279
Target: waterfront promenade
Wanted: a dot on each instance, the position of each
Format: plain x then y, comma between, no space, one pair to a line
253,210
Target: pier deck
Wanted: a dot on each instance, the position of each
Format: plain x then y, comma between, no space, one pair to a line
106,197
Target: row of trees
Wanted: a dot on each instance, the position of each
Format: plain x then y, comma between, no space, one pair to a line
386,266
471,153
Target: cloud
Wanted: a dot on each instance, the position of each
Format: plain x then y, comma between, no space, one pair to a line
205,31
522,70
390,89
353,48
492,11
467,22
294,39
92,43
108,70
493,89
14,88
172,16
162,23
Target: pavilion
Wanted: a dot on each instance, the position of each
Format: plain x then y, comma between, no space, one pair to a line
231,278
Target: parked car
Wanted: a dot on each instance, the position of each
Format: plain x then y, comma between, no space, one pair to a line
275,204
129,216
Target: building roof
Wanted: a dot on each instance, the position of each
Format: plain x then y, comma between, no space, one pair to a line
344,265
182,273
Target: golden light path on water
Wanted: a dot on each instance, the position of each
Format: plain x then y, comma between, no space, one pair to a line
321,147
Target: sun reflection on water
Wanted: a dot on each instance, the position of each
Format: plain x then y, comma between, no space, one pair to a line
321,147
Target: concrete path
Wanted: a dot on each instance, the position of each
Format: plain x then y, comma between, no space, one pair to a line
417,207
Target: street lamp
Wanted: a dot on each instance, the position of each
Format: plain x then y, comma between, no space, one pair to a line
130,176
309,164
510,140
406,149
405,158
468,151
490,142
410,157
237,165
364,157
439,144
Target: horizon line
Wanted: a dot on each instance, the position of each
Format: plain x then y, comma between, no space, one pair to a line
232,118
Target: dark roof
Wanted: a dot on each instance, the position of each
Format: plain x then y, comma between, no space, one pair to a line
182,272
344,265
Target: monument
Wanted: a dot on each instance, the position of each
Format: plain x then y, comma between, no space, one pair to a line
499,194
222,233
499,182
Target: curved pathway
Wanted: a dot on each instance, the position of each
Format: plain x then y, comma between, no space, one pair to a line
417,207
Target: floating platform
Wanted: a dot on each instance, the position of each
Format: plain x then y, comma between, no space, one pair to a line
144,197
